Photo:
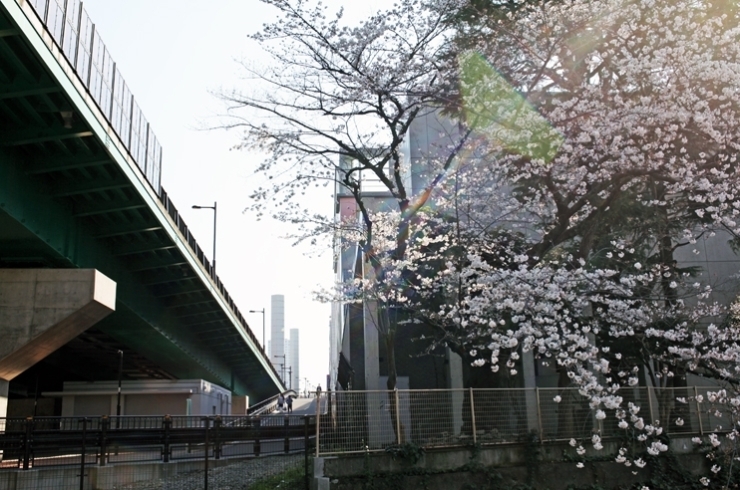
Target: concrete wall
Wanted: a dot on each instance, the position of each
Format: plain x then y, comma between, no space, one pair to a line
437,468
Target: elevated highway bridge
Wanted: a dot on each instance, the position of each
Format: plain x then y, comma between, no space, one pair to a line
80,191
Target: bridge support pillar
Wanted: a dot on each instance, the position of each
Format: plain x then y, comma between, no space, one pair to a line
43,309
4,385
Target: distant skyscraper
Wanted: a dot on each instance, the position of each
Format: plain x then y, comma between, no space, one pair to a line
277,334
294,359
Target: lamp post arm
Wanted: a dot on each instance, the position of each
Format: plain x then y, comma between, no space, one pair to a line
215,220
264,340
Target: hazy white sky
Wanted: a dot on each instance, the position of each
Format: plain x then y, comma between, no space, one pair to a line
173,54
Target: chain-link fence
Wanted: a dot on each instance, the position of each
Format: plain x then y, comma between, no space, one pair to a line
154,452
234,452
359,421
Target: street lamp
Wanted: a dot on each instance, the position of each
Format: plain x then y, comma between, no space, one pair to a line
214,207
282,367
263,325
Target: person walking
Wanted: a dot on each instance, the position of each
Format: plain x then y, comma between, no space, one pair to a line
281,400
289,403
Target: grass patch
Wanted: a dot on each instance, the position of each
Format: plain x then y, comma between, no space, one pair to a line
287,480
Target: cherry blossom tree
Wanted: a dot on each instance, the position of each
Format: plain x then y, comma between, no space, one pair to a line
594,142
575,258
605,142
334,107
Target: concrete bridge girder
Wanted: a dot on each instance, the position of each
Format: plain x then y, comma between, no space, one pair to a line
43,309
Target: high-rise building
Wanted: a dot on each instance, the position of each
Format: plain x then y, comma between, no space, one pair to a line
277,334
293,357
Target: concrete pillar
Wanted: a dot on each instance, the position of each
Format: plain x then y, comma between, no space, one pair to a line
239,405
455,382
4,397
530,383
43,309
321,482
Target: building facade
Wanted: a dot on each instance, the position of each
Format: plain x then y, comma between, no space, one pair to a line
357,353
144,397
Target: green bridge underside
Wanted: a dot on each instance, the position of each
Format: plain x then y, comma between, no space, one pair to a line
66,201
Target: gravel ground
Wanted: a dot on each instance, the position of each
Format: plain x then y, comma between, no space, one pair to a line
236,476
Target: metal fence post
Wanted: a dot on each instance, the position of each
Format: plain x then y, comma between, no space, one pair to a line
208,423
698,410
104,421
167,425
217,437
398,416
472,417
83,456
286,444
650,404
305,450
318,420
257,444
27,443
539,414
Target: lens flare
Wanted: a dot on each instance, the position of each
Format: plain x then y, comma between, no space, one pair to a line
493,108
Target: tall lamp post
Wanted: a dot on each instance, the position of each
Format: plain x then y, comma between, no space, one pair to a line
215,211
263,325
282,367
120,374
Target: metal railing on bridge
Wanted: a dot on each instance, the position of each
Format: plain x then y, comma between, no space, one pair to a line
361,421
76,36
130,445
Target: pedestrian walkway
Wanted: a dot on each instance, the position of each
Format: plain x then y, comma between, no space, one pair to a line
301,406
304,406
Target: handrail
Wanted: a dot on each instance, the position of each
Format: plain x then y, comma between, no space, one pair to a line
268,405
32,443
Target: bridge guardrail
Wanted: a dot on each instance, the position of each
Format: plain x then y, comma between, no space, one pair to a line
61,441
76,36
51,444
